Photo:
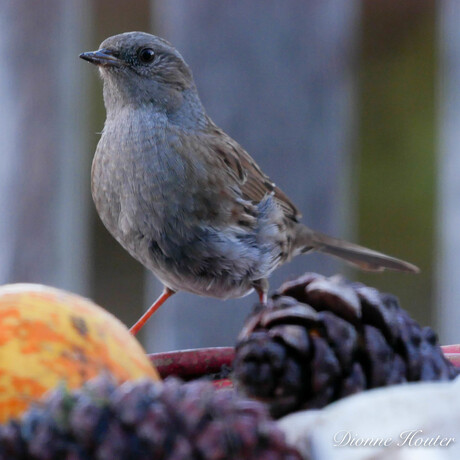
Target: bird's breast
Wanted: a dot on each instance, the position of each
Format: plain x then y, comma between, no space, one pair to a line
145,180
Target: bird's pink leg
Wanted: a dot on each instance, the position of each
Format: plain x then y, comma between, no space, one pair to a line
261,286
167,293
263,297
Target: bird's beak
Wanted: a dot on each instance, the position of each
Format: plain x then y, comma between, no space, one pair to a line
102,57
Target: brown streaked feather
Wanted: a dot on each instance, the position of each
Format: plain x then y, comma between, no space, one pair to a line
254,184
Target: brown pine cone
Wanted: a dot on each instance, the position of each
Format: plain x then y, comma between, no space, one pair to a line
320,339
145,420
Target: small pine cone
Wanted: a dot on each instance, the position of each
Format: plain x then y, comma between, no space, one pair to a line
145,420
320,339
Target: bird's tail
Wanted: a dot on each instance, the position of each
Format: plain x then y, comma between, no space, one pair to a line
364,258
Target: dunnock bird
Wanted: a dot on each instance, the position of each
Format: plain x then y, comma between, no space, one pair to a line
180,195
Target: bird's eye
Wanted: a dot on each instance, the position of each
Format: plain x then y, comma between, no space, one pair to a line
146,55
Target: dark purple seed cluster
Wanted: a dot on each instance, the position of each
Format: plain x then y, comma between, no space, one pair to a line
145,420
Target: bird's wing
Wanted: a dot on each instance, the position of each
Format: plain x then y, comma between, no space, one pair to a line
253,183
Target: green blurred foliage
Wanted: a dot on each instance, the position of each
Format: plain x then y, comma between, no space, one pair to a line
396,166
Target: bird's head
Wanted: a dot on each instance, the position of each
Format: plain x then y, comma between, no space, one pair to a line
141,69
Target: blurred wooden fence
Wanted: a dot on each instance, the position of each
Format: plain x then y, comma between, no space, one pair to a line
43,170
336,100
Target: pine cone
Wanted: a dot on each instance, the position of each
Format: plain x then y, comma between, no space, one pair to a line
145,420
320,339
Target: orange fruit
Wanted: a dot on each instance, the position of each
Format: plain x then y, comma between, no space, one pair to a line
49,336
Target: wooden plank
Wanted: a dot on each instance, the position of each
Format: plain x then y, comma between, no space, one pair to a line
448,217
278,79
42,229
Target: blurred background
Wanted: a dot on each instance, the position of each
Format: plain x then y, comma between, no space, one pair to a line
351,106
